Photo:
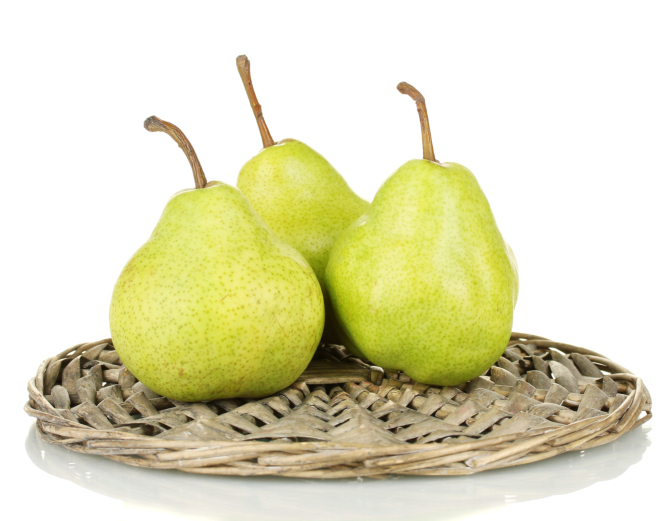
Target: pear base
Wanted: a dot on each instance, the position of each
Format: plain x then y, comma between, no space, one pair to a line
542,398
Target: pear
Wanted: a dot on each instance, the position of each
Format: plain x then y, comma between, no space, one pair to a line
214,305
423,282
301,197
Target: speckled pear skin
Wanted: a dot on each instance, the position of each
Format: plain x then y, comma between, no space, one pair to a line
214,305
304,200
423,281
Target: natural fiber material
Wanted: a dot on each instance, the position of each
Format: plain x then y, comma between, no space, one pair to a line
343,417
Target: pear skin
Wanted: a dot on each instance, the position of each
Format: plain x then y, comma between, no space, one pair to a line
422,282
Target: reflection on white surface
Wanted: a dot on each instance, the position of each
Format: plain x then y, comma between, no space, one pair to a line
412,497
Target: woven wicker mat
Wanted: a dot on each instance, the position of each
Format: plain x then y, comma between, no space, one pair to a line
343,417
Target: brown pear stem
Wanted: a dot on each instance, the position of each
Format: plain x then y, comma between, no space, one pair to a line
243,65
427,146
154,124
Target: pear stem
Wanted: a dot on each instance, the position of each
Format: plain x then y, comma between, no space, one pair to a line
154,124
427,146
243,65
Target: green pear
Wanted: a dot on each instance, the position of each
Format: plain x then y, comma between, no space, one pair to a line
301,197
423,282
214,305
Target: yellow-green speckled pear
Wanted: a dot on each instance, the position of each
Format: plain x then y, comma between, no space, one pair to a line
301,197
423,282
214,305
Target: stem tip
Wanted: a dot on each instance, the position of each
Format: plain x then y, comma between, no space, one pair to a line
410,90
242,63
154,124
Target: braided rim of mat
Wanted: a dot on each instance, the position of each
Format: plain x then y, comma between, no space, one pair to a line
344,417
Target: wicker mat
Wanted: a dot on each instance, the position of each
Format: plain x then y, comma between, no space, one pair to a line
343,417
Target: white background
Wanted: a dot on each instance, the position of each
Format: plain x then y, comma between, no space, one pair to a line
562,111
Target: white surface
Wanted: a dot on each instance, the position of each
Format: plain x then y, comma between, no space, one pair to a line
193,496
562,111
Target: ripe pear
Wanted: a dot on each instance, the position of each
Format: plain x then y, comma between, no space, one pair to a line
301,197
214,305
423,282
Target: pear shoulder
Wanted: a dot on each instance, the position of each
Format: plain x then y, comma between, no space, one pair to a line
291,171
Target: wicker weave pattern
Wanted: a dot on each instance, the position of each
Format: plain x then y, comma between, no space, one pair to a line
345,418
